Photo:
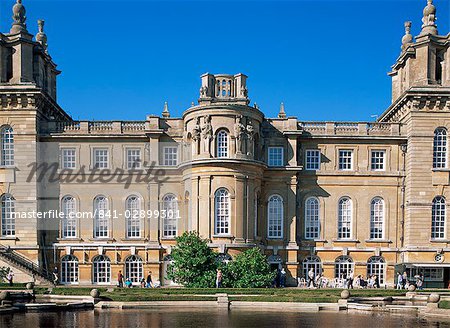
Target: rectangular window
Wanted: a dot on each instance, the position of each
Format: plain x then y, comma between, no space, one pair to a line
312,159
170,156
377,159
275,156
68,158
101,160
133,159
345,160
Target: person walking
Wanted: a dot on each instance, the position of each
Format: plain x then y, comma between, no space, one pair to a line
405,280
350,280
10,277
149,282
120,279
219,279
55,276
376,282
282,278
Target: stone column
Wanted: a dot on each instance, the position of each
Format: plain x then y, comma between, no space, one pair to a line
154,227
194,204
204,210
250,227
239,214
291,209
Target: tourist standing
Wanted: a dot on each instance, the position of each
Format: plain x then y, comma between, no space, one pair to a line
404,280
311,278
350,280
376,282
219,279
399,281
282,278
149,282
128,283
120,279
10,277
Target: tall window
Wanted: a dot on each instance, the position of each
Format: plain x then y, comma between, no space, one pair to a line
132,215
7,141
101,158
222,144
275,156
170,156
312,159
440,149
68,158
438,214
312,262
376,266
376,218
8,218
170,216
101,217
275,217
69,269
222,212
101,269
312,219
345,218
134,269
133,159
345,160
69,226
377,159
342,266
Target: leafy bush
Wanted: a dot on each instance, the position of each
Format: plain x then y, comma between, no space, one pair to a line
194,264
250,269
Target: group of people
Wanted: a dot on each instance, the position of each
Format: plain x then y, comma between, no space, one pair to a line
144,283
345,280
403,282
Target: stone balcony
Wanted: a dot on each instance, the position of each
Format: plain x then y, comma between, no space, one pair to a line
350,129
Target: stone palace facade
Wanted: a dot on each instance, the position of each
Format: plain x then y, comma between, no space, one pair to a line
333,196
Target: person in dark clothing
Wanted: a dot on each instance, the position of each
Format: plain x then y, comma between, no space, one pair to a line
149,282
120,279
376,282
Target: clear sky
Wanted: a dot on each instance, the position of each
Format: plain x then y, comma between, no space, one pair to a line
326,60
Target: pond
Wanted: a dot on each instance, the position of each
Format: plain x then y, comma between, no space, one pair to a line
199,318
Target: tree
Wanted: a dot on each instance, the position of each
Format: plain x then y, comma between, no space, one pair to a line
250,269
194,263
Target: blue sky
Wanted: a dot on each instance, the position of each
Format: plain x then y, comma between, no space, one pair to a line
326,60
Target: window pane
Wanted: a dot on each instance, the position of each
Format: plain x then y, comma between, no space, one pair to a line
133,158
345,219
8,219
376,218
440,149
170,156
222,212
101,160
312,221
275,156
438,215
222,144
345,160
312,159
7,140
377,160
275,217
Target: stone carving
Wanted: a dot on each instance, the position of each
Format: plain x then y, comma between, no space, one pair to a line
196,131
19,17
250,138
207,134
239,133
203,91
41,37
407,38
429,19
244,91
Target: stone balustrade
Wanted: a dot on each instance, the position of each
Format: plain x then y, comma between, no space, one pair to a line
99,127
351,128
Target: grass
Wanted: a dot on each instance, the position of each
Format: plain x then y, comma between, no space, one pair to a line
444,305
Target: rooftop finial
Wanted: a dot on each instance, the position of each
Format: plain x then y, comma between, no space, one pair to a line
407,38
282,113
165,112
429,19
19,18
41,37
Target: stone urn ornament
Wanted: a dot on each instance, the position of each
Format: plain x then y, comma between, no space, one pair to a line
345,294
95,293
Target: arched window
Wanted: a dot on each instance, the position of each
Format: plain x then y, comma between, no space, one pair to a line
101,270
222,212
440,148
134,269
7,141
222,144
377,218
275,217
345,218
8,216
376,266
132,215
170,216
101,217
69,226
312,219
69,269
312,262
343,266
438,214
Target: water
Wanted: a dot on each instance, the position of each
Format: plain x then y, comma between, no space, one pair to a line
199,318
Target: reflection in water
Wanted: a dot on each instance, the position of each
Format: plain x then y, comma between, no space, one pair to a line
199,318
